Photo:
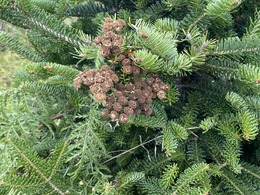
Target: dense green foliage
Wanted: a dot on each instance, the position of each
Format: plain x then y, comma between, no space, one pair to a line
202,138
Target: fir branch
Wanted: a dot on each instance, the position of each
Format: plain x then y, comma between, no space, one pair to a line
20,47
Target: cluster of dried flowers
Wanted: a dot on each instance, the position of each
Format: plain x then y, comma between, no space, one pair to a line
121,100
110,41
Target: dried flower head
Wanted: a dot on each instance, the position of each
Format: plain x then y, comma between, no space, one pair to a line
104,113
137,111
117,107
77,83
123,118
128,111
115,78
122,100
105,51
107,42
132,104
161,94
120,87
136,70
149,112
129,87
127,69
100,97
126,62
114,115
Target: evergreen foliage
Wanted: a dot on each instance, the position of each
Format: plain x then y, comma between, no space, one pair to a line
197,133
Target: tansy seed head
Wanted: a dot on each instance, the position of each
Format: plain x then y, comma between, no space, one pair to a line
117,107
104,113
114,115
123,118
132,104
122,100
127,69
161,94
100,97
128,111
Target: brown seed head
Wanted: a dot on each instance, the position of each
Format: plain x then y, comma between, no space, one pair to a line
100,97
117,107
128,111
105,51
116,50
129,87
111,99
77,83
123,118
121,22
161,94
114,115
149,112
115,78
145,107
120,87
126,62
105,68
107,42
104,113
109,20
138,85
137,111
107,27
94,88
136,70
156,87
118,93
127,69
120,57
132,96
122,100
141,100
150,80
132,104
109,104
144,35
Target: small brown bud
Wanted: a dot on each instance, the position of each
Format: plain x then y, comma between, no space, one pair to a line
137,111
77,83
150,80
105,68
141,100
120,87
117,107
115,78
148,100
122,100
94,88
109,20
47,67
109,104
114,115
156,87
118,93
107,42
116,50
161,94
127,69
120,57
104,113
132,104
105,51
132,96
123,118
128,111
111,99
136,70
109,35
138,93
121,22
138,85
107,27
145,107
100,97
137,78
97,40
126,62
149,112
129,87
